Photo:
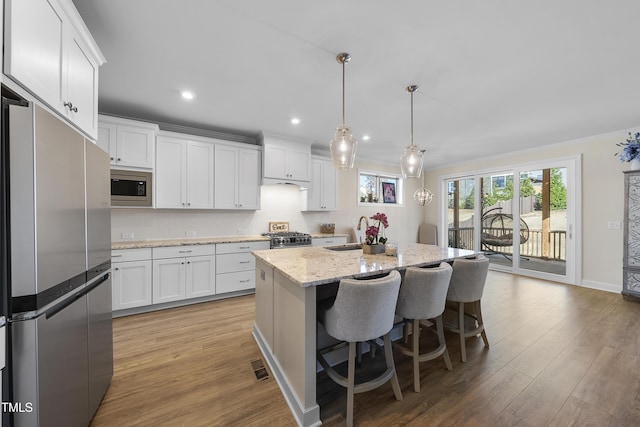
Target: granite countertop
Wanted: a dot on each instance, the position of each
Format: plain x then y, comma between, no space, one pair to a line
133,244
313,266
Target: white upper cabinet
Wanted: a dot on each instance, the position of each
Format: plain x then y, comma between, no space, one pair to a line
286,160
237,178
130,143
183,174
49,51
322,194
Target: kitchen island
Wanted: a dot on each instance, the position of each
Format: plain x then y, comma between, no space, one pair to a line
289,284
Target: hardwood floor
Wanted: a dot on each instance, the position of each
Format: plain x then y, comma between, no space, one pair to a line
560,355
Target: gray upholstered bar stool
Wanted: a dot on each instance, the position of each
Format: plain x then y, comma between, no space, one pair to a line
466,287
421,302
363,311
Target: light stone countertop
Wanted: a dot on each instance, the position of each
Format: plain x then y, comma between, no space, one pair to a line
313,266
327,235
133,244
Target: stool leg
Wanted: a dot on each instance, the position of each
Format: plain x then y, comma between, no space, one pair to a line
441,341
481,322
416,355
463,350
351,378
388,355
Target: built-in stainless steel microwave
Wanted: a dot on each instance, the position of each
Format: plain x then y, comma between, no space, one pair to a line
130,188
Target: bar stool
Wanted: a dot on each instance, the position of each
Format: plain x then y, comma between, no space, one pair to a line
422,298
363,311
466,286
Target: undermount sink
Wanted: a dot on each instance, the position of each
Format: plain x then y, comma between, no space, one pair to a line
342,248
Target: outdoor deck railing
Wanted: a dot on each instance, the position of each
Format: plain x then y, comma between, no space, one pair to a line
463,238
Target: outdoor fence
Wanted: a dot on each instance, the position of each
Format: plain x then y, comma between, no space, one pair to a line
463,238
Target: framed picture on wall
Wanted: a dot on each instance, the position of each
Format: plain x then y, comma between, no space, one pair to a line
389,192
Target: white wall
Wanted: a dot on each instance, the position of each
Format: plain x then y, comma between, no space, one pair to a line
602,200
278,203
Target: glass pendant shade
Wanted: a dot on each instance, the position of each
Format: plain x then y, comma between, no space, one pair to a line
411,162
412,159
343,148
423,196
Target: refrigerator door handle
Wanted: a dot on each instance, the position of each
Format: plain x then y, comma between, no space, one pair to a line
66,303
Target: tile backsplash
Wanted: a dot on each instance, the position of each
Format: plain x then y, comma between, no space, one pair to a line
278,203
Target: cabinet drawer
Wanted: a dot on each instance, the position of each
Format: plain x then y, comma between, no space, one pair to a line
328,241
183,251
230,282
123,255
227,248
228,263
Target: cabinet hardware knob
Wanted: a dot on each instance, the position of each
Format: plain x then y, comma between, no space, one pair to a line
188,204
116,269
71,107
112,159
119,159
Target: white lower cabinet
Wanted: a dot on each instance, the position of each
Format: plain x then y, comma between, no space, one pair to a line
131,278
236,266
182,272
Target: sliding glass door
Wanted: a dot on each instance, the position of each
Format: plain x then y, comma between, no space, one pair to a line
523,225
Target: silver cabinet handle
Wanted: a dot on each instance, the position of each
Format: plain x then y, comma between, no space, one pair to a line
245,281
245,262
185,252
116,256
71,107
244,247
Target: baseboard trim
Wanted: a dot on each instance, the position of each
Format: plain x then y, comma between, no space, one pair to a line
602,286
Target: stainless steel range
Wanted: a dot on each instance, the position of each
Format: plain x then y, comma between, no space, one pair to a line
288,239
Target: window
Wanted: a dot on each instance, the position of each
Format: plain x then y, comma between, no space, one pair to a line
377,187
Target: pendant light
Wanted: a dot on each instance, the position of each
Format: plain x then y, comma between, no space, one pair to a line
423,195
343,146
412,159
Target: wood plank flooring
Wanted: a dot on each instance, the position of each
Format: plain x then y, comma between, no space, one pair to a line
560,355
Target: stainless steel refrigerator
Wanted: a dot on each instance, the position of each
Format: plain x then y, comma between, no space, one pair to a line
55,269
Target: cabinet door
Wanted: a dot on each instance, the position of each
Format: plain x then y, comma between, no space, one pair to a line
329,187
275,162
314,193
33,47
134,146
168,280
131,284
299,164
248,179
201,276
199,172
81,86
170,183
107,139
226,177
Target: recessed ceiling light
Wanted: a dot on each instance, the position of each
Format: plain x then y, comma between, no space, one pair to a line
366,137
295,121
188,95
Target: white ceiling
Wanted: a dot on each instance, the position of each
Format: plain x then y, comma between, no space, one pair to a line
494,76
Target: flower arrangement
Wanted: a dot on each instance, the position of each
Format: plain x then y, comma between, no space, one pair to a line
375,233
631,150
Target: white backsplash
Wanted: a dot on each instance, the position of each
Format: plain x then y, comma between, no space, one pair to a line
279,203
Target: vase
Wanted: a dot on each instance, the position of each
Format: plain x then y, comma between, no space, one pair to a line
372,249
635,164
